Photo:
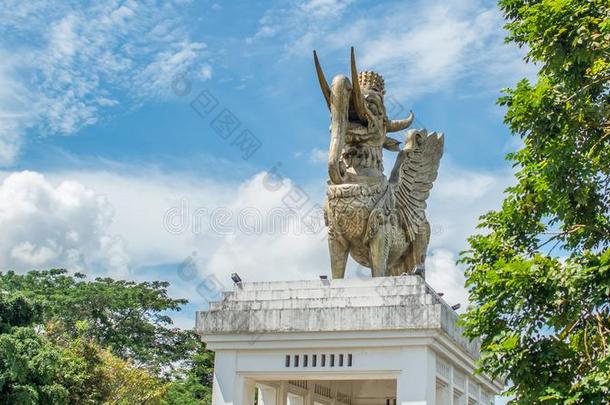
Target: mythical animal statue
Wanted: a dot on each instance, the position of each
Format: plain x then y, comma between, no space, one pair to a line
380,222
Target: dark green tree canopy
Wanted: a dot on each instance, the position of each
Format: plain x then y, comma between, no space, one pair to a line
67,340
32,369
129,318
16,310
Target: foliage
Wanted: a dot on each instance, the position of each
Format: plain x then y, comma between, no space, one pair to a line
32,369
64,340
203,365
17,311
196,386
126,317
539,277
130,385
188,391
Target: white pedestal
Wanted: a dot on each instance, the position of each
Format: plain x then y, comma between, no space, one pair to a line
380,341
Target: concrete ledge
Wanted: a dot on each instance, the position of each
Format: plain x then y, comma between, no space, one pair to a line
404,303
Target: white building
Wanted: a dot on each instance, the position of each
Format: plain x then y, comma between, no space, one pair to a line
387,340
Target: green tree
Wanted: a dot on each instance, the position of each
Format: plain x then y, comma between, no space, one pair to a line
35,369
101,341
128,318
539,276
195,387
126,384
32,369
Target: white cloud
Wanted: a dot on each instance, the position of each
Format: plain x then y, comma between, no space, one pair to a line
446,277
430,54
288,251
264,31
82,62
159,218
15,108
459,196
252,241
318,156
299,22
324,8
140,202
64,225
420,47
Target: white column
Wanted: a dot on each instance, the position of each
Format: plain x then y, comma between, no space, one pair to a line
267,395
416,384
229,388
295,399
225,374
244,391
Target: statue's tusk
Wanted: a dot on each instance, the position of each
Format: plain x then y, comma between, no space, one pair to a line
322,79
357,99
399,125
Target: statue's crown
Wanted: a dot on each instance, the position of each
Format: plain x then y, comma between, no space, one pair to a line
370,80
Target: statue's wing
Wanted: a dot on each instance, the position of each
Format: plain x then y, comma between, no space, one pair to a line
414,172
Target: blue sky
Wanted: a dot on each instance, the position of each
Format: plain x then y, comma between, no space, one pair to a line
100,145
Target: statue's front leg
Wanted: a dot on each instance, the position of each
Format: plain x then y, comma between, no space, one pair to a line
378,238
339,251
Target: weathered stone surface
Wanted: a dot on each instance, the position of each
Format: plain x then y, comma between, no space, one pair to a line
382,303
381,223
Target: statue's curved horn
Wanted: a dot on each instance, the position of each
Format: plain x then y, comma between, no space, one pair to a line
399,125
357,98
323,83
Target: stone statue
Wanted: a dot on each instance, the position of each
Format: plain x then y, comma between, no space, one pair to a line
380,222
